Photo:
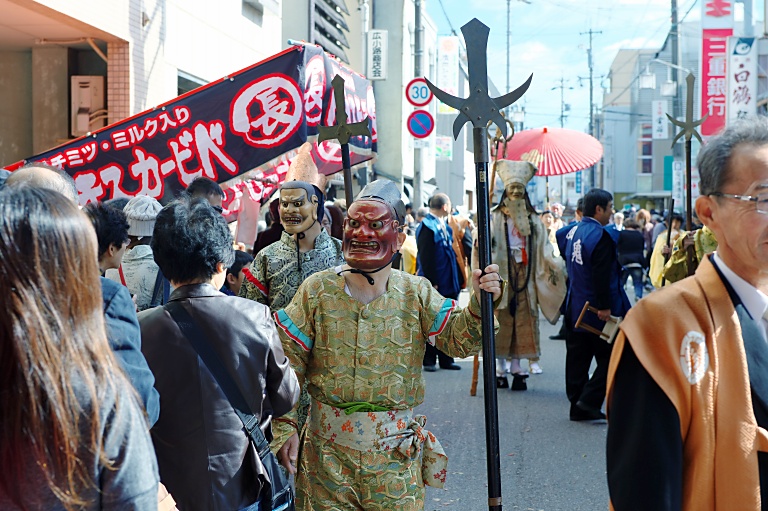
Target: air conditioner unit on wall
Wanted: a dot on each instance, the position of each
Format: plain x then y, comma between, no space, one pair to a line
88,102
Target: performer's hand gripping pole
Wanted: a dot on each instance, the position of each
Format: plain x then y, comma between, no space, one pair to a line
480,109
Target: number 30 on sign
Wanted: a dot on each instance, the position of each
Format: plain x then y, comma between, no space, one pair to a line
417,92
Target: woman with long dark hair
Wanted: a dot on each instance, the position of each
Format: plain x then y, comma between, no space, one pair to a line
72,435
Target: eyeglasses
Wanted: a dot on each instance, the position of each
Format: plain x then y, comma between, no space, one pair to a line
760,200
218,209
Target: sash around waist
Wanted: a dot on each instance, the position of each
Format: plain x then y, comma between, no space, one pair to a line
394,430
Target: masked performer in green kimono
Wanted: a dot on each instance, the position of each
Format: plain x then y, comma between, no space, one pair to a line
356,336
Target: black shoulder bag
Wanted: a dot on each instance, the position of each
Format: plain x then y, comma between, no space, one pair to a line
276,493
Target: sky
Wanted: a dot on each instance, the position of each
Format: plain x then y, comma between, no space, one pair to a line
546,40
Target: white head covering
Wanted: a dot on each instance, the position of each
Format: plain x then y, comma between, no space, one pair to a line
141,212
515,171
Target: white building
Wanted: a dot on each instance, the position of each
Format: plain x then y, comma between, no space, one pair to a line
147,52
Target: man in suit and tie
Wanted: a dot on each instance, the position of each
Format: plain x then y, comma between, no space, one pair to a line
688,378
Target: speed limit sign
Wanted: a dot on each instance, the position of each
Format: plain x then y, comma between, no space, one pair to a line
417,92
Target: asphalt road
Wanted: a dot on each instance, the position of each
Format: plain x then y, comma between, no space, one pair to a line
547,462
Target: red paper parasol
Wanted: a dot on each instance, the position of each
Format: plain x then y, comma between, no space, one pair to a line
555,151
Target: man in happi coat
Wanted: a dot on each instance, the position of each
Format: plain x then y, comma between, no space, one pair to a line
304,248
536,277
355,335
687,381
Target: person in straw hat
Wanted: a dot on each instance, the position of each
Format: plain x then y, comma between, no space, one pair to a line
520,246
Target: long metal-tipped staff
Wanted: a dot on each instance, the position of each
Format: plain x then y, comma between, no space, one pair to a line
479,108
499,150
343,132
689,130
669,235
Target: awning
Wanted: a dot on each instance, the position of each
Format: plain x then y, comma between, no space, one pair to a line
649,196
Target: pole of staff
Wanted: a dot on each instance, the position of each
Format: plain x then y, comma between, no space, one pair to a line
480,139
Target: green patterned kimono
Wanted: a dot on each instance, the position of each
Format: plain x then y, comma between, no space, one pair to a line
273,279
350,352
278,269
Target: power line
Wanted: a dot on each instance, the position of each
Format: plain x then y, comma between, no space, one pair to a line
445,13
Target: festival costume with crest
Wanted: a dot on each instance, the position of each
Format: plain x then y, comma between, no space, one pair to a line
277,270
520,246
364,448
688,401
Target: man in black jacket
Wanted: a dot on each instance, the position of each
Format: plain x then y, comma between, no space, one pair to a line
203,453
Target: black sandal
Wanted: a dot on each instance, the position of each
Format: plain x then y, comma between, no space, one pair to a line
518,381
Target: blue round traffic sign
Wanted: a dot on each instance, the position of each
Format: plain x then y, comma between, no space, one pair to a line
420,124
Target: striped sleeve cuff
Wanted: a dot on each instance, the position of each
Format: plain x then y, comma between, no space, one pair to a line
253,280
291,330
442,318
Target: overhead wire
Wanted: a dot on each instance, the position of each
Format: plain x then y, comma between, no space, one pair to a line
555,3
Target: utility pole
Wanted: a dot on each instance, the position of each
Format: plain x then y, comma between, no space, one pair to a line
590,61
417,200
509,35
562,88
674,33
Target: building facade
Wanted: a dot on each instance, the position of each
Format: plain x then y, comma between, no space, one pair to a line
136,55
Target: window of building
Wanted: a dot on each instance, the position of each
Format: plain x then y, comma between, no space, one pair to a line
253,10
186,82
645,150
329,28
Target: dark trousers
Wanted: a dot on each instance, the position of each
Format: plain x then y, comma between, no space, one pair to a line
582,347
637,280
432,354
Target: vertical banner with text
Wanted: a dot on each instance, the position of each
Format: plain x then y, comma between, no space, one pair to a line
447,69
717,26
659,119
742,78
377,54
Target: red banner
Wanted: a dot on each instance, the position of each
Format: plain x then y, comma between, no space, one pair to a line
714,83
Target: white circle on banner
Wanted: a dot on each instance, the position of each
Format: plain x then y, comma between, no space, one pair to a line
694,357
